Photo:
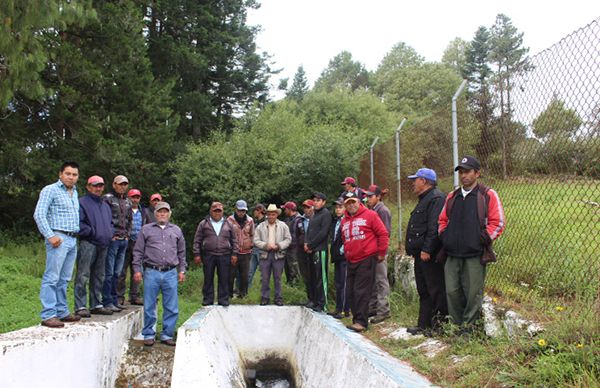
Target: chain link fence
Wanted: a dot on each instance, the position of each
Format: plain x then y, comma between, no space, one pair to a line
539,145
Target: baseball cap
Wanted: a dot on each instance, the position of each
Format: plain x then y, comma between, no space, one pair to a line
216,205
373,190
155,196
339,201
468,163
425,173
241,205
319,196
120,179
289,205
94,180
308,203
350,196
162,205
134,192
349,180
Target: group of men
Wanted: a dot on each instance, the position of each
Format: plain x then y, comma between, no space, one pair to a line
450,240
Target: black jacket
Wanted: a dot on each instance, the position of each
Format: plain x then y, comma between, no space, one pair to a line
336,241
318,230
421,232
122,213
463,235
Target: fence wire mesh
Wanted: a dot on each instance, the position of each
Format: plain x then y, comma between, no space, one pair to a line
539,145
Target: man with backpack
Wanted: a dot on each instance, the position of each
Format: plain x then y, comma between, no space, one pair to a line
471,219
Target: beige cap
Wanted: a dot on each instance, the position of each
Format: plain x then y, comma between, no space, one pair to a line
120,179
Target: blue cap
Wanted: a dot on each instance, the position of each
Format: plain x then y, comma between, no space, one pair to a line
241,205
425,173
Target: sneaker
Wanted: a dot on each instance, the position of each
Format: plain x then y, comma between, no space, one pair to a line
113,308
336,314
379,318
264,301
414,330
317,309
53,322
121,306
83,313
357,327
101,311
71,318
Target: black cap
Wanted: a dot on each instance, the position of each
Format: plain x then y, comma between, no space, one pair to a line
319,195
468,163
339,201
350,195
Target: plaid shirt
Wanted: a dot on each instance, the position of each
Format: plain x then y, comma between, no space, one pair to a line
136,225
57,210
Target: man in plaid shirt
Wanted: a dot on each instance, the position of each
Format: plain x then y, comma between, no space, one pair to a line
57,218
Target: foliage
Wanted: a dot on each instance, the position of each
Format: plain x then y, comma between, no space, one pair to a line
556,120
299,86
343,73
455,54
399,57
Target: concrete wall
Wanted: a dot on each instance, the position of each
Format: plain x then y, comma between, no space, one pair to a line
83,354
216,344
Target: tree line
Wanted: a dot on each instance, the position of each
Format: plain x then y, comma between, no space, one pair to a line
174,95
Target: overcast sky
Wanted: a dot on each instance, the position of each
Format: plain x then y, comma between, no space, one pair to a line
311,32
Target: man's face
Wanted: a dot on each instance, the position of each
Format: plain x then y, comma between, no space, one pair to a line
372,200
319,203
468,178
288,212
96,189
216,214
348,187
162,216
69,176
240,212
308,211
154,202
135,200
258,214
418,185
339,210
272,217
120,188
352,206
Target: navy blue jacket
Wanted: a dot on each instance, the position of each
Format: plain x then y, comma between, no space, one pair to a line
95,219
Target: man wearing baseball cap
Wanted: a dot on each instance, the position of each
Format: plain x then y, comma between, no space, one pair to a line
467,228
216,247
154,199
95,233
292,219
159,257
120,206
350,186
139,218
308,208
422,243
259,212
243,226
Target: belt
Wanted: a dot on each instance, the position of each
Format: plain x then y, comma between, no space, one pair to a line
166,268
70,234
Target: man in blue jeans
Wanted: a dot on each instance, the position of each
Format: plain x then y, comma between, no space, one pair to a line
120,206
57,218
160,252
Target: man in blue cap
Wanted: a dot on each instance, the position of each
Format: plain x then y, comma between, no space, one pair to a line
422,243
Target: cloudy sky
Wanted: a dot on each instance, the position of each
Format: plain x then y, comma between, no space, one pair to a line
311,32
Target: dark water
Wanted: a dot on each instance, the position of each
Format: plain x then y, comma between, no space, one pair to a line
270,373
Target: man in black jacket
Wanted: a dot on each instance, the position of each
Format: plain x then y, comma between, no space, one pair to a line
315,245
342,305
422,243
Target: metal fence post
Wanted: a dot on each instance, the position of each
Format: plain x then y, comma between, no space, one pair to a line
455,131
372,161
399,188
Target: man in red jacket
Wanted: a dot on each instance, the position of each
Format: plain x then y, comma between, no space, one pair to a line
365,244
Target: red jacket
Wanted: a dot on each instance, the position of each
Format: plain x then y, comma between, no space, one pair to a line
364,235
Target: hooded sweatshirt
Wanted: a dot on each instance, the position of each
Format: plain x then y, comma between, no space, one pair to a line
364,235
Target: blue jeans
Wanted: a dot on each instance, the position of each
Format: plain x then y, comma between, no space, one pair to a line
254,260
165,282
112,269
59,268
90,267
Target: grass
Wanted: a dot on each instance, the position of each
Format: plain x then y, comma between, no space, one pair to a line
548,270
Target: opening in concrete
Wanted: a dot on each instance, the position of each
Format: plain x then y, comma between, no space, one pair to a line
272,346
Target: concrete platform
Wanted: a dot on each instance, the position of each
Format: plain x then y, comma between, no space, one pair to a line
216,346
82,354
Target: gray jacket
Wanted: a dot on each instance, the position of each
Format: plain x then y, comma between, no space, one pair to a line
283,238
206,240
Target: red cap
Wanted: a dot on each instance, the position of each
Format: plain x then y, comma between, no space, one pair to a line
95,179
289,205
308,203
134,192
155,196
373,190
349,181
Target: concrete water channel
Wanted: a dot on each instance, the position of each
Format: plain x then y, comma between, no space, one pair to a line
237,346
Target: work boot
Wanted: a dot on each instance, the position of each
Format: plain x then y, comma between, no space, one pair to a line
83,313
137,301
414,330
101,311
357,327
53,323
70,318
379,318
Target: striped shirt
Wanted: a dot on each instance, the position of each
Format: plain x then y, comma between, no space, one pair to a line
57,210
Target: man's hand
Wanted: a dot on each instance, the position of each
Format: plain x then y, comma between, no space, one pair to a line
233,260
380,258
198,260
181,277
425,256
307,249
55,241
272,247
137,277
